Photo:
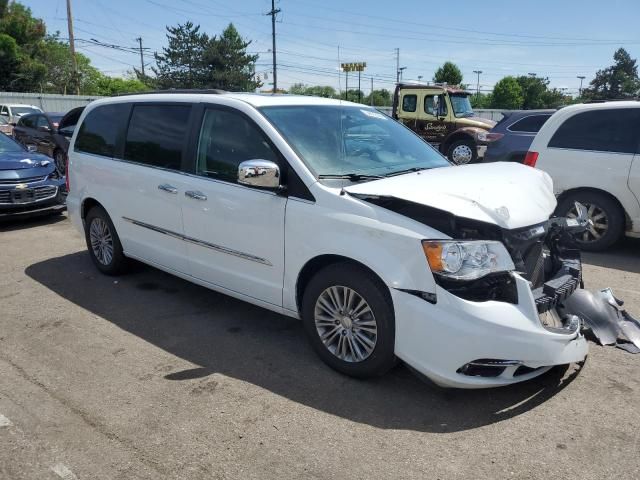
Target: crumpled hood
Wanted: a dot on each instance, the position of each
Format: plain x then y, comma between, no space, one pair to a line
23,160
509,195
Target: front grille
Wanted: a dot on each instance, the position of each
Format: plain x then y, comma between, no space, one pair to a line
16,181
27,195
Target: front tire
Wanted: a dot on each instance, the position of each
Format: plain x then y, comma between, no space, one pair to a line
463,152
605,216
103,242
349,320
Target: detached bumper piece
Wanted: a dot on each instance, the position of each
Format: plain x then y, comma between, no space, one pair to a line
603,314
566,281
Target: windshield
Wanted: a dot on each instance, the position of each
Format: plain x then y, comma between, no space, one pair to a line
461,105
7,145
351,141
24,110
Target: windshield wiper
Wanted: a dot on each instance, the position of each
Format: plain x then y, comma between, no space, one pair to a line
408,170
354,177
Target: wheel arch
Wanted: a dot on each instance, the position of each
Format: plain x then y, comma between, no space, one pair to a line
567,193
319,262
87,204
454,137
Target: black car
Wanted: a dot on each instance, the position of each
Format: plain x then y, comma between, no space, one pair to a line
510,139
48,133
30,182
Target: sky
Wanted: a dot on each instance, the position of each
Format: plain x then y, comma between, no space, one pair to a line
558,39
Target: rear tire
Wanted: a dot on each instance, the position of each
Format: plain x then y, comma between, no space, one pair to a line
463,152
103,242
349,320
605,214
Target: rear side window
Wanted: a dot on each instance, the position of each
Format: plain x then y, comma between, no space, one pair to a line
530,124
28,122
227,138
102,128
614,130
157,134
409,103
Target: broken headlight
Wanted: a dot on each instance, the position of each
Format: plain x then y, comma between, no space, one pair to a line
466,260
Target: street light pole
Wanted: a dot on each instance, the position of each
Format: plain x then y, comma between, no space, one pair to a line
478,72
581,77
400,70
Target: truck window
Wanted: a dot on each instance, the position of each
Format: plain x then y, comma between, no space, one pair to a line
409,103
431,105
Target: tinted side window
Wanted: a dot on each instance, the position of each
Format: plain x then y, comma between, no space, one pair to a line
102,128
614,130
157,134
28,121
41,121
530,124
409,103
227,139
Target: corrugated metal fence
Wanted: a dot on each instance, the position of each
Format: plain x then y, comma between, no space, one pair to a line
49,102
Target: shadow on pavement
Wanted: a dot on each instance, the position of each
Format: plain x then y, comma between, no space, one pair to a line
11,224
624,255
230,337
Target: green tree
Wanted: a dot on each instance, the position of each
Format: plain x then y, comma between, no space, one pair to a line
485,100
9,60
448,73
617,81
507,94
314,91
227,63
112,86
180,65
381,98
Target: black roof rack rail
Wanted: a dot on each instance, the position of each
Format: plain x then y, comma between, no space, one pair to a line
208,91
630,99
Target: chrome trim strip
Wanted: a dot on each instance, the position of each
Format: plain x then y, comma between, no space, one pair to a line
202,243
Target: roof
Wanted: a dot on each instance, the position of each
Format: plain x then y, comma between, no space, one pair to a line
447,88
254,99
20,105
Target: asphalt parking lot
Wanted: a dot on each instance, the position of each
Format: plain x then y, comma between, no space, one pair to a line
148,376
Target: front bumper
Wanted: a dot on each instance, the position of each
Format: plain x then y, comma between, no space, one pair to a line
439,339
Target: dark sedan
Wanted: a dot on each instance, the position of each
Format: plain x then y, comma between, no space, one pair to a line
42,131
510,139
30,183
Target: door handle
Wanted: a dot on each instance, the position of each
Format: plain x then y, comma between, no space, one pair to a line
165,187
195,195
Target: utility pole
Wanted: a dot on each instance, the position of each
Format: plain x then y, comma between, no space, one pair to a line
400,70
359,89
397,65
274,11
72,47
371,95
478,89
581,77
139,39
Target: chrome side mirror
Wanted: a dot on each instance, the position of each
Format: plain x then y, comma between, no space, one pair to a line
259,173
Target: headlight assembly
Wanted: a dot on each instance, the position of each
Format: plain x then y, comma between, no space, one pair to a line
466,260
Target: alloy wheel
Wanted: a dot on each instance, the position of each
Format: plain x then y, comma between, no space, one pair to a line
598,222
101,241
346,324
462,154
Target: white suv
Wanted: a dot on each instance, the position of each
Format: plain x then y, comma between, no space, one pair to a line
591,152
334,213
12,112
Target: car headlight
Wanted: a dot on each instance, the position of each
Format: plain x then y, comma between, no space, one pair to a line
466,260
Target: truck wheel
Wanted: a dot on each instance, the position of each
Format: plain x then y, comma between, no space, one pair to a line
349,321
605,217
462,152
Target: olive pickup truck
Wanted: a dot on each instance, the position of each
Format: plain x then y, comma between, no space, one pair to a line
443,116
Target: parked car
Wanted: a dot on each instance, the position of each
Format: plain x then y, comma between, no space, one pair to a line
5,126
334,213
29,182
42,130
591,152
443,116
511,138
13,112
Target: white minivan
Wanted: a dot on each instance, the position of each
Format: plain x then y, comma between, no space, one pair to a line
334,213
592,153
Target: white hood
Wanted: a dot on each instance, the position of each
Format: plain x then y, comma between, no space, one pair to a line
509,195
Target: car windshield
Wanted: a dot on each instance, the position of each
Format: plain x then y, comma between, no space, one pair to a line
358,143
8,146
461,105
23,110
